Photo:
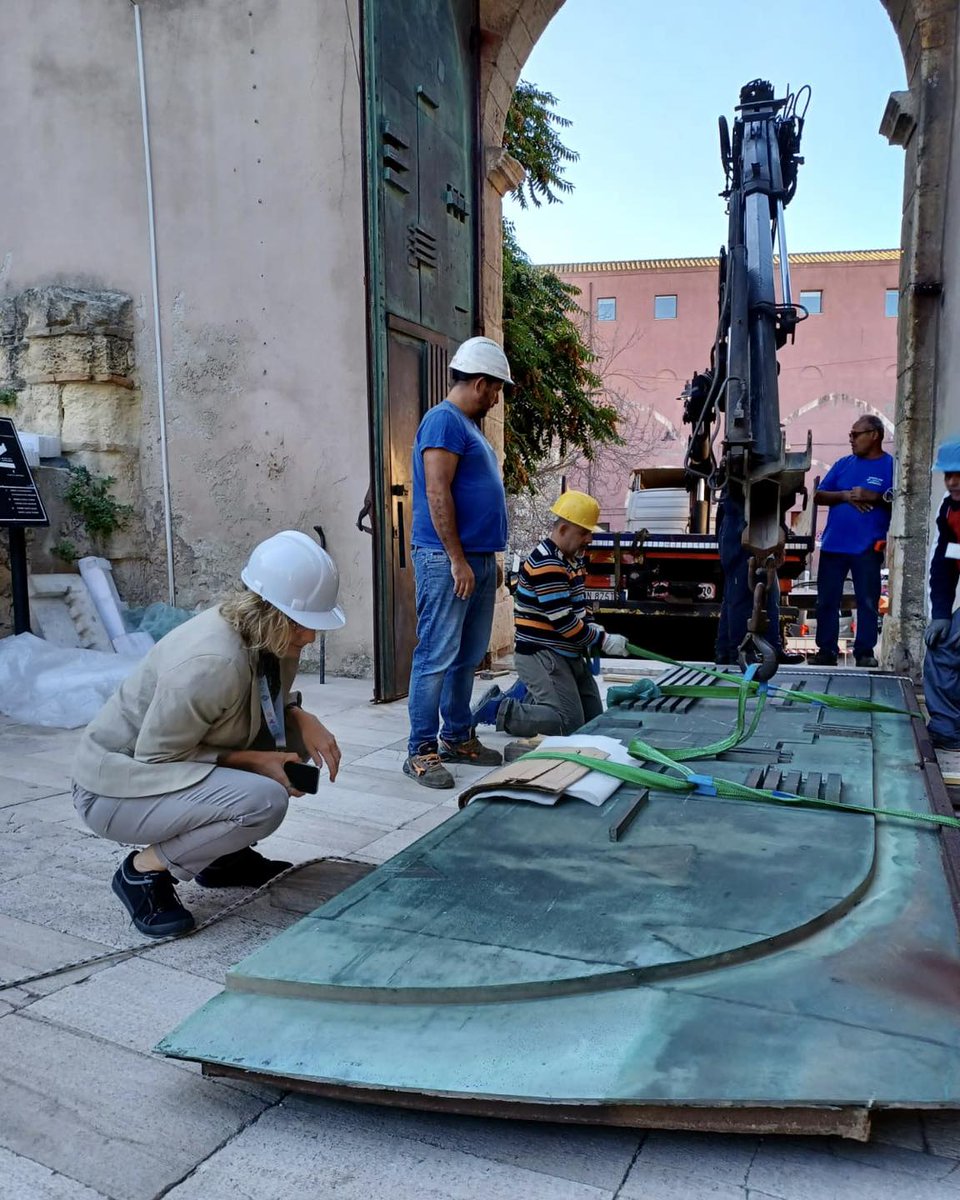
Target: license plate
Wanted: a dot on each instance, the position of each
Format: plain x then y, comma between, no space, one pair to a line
601,594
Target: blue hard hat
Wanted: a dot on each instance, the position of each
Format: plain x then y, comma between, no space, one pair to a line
948,456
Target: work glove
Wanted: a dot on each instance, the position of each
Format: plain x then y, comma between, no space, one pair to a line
938,631
637,693
614,644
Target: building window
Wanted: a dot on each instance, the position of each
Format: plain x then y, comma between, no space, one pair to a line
607,309
665,308
812,302
891,302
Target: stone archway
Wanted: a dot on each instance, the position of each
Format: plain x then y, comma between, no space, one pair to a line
921,121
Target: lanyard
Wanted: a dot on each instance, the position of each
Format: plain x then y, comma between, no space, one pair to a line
272,716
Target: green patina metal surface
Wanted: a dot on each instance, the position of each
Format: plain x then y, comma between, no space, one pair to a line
719,953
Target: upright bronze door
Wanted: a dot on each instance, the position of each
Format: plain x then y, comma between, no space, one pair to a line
422,251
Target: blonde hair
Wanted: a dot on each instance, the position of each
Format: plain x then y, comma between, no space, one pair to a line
260,625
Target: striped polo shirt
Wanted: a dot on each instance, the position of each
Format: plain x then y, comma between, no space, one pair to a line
550,604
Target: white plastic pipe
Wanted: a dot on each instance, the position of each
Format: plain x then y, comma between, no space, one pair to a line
161,399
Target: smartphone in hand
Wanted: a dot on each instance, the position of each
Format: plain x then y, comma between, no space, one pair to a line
305,777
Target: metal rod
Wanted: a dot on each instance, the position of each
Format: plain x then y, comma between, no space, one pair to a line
18,579
784,257
626,819
161,398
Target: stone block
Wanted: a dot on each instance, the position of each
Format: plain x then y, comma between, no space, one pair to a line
591,1155
101,416
26,948
20,1178
59,309
799,1170
334,1152
95,1124
38,408
72,356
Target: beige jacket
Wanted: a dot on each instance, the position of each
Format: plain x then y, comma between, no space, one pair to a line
192,698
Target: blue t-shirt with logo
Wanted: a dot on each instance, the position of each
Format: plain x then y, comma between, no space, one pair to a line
850,531
477,488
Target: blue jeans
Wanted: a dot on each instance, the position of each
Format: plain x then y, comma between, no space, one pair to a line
865,571
941,688
452,638
736,607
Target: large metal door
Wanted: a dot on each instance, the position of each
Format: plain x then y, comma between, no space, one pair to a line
421,106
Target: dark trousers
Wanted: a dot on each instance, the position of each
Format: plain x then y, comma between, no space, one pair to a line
941,690
737,604
864,569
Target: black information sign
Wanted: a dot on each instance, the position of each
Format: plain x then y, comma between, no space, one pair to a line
20,502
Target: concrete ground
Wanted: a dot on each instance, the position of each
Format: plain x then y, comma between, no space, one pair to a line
88,1111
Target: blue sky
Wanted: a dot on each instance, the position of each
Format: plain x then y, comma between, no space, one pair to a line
644,83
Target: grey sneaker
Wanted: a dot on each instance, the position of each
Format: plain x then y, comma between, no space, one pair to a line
867,660
472,752
427,769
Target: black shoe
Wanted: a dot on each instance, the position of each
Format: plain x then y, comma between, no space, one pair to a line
151,900
243,868
822,659
942,743
866,660
790,658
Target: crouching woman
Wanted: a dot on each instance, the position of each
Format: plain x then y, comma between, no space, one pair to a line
186,759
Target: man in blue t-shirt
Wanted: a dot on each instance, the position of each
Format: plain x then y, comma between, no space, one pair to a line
459,526
857,490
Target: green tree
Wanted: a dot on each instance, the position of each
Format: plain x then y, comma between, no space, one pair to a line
531,136
554,403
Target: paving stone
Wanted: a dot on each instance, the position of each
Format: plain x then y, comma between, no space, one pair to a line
320,833
587,1154
16,791
386,847
884,1157
292,1153
942,1132
56,807
133,1004
211,953
32,769
429,820
80,901
903,1129
802,1170
666,1183
350,804
723,1160
21,1179
26,947
122,1123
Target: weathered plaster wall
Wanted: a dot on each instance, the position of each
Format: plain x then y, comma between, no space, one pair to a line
509,31
255,123
66,357
923,122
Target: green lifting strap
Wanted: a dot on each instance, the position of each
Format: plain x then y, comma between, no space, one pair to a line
707,785
850,703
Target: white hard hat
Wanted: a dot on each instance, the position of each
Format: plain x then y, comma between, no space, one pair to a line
481,356
291,572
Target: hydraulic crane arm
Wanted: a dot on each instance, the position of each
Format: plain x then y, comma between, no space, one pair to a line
760,161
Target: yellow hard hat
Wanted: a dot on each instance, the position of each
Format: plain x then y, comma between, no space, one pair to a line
579,509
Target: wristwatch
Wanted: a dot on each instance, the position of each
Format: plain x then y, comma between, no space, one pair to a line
295,701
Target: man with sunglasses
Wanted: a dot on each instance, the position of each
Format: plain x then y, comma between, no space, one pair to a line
857,490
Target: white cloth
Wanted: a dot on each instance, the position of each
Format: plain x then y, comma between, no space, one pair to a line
593,787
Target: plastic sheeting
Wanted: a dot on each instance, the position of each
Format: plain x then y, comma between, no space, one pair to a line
44,684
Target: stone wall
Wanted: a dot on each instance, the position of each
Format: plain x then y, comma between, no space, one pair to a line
67,362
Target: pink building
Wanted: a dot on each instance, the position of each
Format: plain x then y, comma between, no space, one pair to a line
652,324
